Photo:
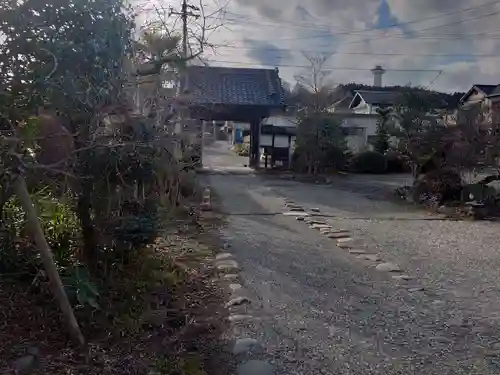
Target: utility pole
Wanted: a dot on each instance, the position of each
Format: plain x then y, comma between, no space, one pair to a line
187,10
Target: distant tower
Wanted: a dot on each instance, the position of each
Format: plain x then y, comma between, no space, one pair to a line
378,71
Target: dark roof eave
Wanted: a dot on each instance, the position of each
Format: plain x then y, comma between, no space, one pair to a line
209,104
477,87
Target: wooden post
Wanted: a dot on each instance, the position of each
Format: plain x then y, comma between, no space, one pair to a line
48,260
272,147
254,143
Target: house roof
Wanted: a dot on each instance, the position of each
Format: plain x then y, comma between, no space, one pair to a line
495,91
234,86
485,89
344,102
375,97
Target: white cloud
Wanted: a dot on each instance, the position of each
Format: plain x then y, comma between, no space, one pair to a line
330,25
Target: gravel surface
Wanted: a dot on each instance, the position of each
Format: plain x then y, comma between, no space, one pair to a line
321,310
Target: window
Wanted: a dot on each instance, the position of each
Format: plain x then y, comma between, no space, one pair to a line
352,131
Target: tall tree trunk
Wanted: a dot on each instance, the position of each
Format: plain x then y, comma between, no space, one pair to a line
48,260
84,191
83,211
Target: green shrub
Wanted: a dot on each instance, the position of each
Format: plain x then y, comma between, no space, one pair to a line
397,162
334,158
138,226
369,162
18,254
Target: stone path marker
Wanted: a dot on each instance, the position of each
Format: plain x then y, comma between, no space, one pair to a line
315,221
339,235
344,239
320,226
356,251
238,317
235,287
336,230
403,277
296,213
344,245
222,256
388,267
416,289
372,257
238,301
227,264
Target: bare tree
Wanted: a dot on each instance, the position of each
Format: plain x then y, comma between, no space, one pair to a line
164,52
315,79
320,143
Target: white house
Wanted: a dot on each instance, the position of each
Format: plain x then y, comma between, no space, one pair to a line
478,94
277,140
357,111
486,97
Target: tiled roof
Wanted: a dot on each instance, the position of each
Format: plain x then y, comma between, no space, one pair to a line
487,89
379,97
234,86
495,91
343,103
375,97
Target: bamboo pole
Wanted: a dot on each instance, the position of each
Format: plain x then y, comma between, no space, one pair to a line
56,285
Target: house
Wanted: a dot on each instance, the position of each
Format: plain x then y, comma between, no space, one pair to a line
359,120
241,95
368,101
277,140
342,105
486,98
356,110
479,95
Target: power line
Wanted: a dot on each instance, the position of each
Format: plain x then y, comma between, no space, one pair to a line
423,36
359,31
431,28
354,32
395,24
397,35
278,49
325,67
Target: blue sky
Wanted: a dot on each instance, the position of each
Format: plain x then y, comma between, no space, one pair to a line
385,17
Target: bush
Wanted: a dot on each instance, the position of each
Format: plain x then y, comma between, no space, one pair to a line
397,162
334,158
369,162
18,253
137,227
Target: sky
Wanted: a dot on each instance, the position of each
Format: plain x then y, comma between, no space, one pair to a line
445,45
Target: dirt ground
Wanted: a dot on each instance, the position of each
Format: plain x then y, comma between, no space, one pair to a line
171,323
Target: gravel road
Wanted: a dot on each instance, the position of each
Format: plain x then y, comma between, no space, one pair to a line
322,310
